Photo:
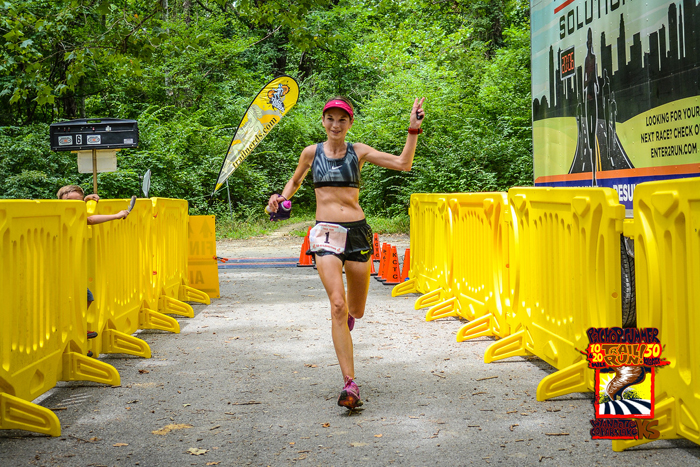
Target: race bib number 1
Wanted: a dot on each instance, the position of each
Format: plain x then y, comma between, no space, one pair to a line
328,237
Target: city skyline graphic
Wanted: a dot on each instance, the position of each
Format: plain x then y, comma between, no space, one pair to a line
600,95
642,80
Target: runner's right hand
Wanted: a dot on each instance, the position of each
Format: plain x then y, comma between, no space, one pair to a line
273,204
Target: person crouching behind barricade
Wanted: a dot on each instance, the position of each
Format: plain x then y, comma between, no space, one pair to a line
74,192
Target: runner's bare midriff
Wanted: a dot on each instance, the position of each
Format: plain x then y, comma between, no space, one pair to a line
338,204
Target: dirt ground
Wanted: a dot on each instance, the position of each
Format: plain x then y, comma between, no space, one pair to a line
252,379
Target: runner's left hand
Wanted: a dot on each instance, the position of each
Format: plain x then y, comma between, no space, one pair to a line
417,113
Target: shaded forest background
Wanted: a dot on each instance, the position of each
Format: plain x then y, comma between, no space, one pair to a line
186,70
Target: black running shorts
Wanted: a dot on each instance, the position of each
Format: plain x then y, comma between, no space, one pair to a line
358,245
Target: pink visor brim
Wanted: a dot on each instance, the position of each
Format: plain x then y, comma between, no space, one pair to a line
338,104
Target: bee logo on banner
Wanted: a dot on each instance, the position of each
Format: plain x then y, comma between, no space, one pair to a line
267,109
624,361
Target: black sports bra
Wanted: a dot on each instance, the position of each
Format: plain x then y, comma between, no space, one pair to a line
336,172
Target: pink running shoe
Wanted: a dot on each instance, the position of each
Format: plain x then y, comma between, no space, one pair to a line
350,395
351,322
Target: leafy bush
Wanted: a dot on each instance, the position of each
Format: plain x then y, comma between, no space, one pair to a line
188,74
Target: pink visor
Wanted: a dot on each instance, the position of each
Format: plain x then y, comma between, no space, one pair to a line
338,104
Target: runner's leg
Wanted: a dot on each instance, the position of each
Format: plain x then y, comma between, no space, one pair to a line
357,274
330,269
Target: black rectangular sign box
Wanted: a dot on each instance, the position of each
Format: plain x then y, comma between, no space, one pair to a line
94,133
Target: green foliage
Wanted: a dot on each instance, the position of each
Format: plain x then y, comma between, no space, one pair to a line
187,71
28,168
399,224
253,222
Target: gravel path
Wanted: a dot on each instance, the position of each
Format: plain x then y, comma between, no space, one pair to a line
253,379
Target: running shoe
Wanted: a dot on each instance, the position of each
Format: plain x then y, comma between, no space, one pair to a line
91,334
350,395
351,322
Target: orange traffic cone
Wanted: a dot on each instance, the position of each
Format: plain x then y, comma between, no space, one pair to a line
304,259
376,255
382,264
373,272
406,265
394,275
386,262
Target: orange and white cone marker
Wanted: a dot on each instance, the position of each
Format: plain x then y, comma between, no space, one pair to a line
376,255
305,260
393,275
406,265
382,264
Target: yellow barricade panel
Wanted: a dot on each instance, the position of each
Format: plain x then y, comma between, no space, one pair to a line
431,236
169,245
117,254
479,278
203,269
567,253
666,233
170,281
43,332
43,290
204,276
459,259
201,237
149,318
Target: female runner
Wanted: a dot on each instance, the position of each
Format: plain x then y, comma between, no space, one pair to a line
341,235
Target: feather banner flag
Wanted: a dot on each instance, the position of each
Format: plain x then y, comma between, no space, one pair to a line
266,110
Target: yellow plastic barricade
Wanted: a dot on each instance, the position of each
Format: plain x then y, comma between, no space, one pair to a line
170,281
43,327
201,262
666,233
480,283
149,318
119,255
430,249
567,279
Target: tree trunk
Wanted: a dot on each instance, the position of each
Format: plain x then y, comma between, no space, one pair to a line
186,6
70,105
280,65
305,65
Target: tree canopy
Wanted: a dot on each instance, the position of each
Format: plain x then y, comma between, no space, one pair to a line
186,70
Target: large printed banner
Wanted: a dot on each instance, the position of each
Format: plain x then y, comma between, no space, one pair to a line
266,110
615,95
